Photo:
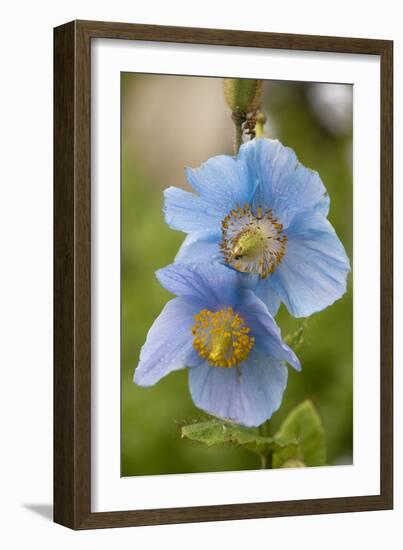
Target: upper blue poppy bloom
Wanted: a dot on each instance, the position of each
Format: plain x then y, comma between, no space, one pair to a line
227,337
265,215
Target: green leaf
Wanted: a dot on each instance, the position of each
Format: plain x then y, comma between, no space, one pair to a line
218,432
303,424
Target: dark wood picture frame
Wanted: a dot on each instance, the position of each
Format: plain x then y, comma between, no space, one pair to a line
72,268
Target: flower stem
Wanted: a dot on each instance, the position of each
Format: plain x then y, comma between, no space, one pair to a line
265,460
238,119
260,122
263,429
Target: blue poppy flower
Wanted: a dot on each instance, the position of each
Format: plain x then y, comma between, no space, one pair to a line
226,336
265,215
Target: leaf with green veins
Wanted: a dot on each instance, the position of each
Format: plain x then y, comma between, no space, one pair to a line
304,424
218,432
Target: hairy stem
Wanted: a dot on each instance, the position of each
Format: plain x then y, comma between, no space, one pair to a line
265,460
260,122
237,134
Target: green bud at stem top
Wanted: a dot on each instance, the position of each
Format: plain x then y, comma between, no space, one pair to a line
242,95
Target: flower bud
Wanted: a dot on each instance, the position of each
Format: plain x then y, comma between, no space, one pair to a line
242,94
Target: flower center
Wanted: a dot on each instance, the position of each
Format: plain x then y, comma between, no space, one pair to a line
252,243
221,337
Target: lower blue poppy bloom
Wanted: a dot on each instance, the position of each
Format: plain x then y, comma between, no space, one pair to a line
226,336
265,215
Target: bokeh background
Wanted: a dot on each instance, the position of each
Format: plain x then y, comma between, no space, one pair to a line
169,122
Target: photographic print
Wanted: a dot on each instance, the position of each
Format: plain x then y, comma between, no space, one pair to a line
213,359
236,282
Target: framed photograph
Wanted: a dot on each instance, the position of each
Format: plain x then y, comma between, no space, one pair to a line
222,274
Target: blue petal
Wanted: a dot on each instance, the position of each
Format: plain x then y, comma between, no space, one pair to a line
211,284
203,247
248,398
262,290
283,183
313,272
169,343
223,181
200,246
189,212
265,330
254,155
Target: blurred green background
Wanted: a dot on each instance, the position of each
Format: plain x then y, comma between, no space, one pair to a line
169,122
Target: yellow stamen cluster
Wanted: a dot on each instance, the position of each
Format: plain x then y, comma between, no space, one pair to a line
221,337
252,243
